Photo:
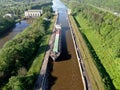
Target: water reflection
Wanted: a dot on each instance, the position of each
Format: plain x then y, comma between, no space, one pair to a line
65,73
19,27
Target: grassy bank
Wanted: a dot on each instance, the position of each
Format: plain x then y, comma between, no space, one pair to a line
94,77
35,67
104,54
100,29
24,55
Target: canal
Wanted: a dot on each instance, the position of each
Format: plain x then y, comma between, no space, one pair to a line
65,73
19,27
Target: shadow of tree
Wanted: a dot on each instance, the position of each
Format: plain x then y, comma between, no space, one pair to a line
51,79
64,52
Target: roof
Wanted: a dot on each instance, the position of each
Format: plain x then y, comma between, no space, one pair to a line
57,26
56,43
34,10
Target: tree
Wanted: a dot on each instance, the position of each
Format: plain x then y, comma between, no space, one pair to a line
14,84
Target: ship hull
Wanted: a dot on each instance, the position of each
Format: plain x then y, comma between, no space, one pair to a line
56,49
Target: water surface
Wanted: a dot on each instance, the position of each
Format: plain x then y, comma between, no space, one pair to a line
19,27
65,73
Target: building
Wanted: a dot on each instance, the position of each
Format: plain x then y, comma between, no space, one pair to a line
8,15
69,11
33,13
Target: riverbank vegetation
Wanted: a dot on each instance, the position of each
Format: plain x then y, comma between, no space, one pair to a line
6,24
101,31
104,27
17,7
92,72
21,57
16,11
110,5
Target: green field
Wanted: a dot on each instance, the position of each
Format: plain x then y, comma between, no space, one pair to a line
92,72
104,39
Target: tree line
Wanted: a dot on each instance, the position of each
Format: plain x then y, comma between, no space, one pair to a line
6,23
17,55
17,12
105,26
112,5
102,34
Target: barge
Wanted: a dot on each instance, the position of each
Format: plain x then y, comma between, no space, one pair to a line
56,46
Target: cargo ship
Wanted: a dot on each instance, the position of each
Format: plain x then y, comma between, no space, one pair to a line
56,49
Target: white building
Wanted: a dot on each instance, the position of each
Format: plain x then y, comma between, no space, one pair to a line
69,11
8,15
33,13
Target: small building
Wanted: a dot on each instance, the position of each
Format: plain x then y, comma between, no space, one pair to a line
33,13
56,12
69,11
8,15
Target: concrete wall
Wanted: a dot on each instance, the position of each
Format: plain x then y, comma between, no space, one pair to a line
42,81
86,82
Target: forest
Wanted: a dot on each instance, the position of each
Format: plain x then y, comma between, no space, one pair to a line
16,9
21,57
6,24
101,31
111,5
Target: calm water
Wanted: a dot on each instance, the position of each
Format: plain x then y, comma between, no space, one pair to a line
19,27
57,4
65,74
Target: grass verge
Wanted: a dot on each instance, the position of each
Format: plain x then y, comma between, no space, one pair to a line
93,74
36,65
101,54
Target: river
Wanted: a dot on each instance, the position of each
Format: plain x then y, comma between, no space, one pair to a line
65,73
19,27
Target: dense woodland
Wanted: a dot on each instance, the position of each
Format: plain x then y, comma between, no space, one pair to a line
6,24
17,55
112,5
16,9
101,31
